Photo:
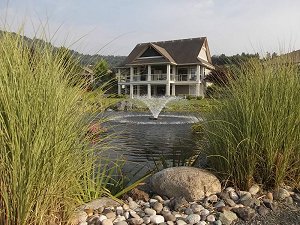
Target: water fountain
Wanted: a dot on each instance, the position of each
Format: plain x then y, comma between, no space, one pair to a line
155,104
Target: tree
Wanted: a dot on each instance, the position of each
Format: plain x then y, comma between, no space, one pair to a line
102,72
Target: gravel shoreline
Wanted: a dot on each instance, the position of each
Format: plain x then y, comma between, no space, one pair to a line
227,207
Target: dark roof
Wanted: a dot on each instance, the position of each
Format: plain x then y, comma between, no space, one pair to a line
183,51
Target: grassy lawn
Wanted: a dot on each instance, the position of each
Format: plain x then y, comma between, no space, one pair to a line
193,105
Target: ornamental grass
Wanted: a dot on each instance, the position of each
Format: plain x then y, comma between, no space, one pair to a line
47,166
254,130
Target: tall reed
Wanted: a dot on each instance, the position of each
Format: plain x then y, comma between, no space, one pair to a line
44,158
254,131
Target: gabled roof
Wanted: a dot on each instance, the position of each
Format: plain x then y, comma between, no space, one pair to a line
183,51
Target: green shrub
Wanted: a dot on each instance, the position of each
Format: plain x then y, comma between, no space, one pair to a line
45,161
254,132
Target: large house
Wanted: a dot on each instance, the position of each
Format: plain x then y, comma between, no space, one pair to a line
176,68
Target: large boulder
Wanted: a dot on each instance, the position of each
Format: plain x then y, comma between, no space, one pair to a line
188,182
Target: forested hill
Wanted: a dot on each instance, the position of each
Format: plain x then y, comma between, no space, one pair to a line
85,59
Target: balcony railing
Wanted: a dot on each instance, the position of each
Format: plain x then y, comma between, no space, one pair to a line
160,77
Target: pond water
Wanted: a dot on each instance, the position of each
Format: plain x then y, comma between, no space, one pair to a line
145,143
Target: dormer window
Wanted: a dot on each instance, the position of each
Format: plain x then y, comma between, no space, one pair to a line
151,53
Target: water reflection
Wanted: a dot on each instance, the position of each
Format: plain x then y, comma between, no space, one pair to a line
144,145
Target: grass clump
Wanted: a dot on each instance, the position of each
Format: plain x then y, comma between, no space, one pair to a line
254,131
45,161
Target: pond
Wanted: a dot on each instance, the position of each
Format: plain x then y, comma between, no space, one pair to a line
145,143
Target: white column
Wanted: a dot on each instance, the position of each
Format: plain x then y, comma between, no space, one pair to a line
202,90
168,89
173,90
119,89
197,89
149,90
174,71
131,90
119,75
138,90
198,72
168,80
131,73
168,73
149,73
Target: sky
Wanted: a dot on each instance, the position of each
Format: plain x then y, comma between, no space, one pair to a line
114,27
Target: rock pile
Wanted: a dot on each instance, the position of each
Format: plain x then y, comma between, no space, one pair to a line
225,207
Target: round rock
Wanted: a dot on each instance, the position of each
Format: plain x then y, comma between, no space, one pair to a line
107,222
156,219
193,219
150,212
191,183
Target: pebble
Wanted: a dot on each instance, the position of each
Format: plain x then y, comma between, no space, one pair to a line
119,210
218,222
83,223
219,204
188,211
229,189
201,223
204,212
245,196
254,189
169,217
135,221
158,198
289,200
296,198
111,215
93,219
166,209
193,219
146,219
150,212
268,203
211,218
281,194
152,201
107,222
269,196
102,217
133,205
119,219
170,223
227,217
121,223
156,219
234,196
158,207
196,208
126,215
230,202
126,207
180,222
134,214
213,198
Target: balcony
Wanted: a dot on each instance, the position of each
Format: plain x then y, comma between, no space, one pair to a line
160,77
